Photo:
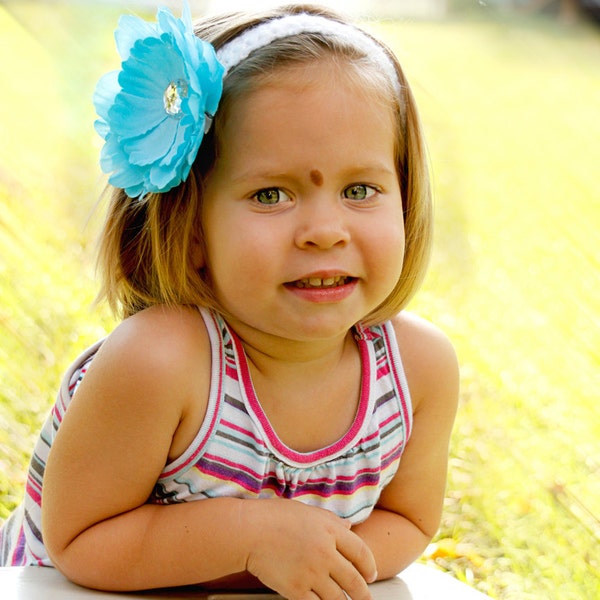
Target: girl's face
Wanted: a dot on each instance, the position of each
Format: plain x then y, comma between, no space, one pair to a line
302,213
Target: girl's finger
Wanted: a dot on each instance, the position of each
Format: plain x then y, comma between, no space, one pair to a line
348,580
356,551
311,596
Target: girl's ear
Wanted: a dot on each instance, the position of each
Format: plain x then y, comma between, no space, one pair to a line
197,253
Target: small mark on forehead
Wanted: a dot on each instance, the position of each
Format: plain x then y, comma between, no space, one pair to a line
316,177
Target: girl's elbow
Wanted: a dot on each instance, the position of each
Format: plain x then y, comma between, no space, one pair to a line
77,564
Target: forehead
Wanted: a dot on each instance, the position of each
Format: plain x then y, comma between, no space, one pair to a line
320,107
364,76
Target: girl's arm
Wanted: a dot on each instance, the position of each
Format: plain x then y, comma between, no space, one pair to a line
138,407
409,510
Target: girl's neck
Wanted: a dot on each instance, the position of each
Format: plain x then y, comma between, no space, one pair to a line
270,354
309,391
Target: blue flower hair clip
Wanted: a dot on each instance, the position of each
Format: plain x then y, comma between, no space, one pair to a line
153,113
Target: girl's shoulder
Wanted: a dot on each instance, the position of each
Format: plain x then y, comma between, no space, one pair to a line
161,344
428,357
157,362
163,334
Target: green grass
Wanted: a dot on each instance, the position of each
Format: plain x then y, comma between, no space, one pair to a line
511,113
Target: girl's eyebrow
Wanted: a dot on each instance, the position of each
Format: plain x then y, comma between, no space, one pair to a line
377,169
253,175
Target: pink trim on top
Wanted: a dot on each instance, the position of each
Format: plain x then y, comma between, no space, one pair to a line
176,466
317,455
393,353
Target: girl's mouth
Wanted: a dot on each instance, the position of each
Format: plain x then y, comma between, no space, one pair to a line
321,283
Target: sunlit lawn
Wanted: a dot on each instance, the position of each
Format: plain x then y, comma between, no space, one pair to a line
511,113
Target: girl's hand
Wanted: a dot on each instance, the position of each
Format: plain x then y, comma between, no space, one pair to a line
306,553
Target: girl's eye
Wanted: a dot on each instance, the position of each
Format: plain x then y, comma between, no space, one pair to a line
359,192
270,196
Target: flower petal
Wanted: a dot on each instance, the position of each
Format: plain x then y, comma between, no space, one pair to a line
105,93
152,65
131,29
186,141
102,128
162,179
152,146
123,174
131,119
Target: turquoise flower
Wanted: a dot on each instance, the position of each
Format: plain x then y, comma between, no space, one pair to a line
154,111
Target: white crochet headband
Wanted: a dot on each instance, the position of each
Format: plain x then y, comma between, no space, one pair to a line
239,48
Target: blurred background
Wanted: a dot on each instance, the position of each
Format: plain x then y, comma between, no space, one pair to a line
509,93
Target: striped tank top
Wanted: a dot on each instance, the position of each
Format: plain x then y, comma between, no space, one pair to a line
237,453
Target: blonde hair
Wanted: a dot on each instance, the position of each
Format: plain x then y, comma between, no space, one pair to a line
146,248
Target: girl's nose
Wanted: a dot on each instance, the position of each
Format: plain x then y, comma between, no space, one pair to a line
322,225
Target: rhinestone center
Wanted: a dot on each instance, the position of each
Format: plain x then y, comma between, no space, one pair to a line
174,94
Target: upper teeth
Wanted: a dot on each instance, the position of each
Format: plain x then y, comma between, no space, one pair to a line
319,282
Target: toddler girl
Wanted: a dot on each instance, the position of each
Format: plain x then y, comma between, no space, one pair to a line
266,413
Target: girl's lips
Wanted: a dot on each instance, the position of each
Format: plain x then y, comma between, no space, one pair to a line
321,282
323,289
